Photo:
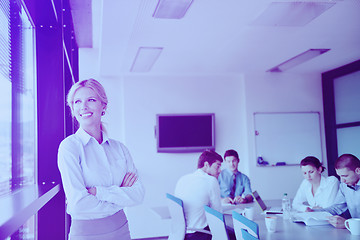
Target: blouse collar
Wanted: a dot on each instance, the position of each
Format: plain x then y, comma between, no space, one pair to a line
85,137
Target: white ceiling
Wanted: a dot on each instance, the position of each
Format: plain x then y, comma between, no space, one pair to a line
215,36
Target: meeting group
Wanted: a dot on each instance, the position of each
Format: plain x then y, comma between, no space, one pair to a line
217,182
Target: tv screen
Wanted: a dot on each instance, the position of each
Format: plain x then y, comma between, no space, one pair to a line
185,132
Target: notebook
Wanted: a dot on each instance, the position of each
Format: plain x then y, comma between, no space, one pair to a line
266,209
312,218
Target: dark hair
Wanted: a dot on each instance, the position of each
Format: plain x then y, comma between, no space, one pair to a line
209,156
231,152
312,161
347,161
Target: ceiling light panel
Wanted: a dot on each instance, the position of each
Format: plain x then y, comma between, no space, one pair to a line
291,14
145,59
172,9
298,59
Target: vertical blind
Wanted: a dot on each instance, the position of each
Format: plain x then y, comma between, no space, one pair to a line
5,98
17,97
5,52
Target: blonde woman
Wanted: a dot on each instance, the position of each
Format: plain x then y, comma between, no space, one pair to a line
98,174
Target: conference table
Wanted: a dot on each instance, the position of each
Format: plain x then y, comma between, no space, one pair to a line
286,229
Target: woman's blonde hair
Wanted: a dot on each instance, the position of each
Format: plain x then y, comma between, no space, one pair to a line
89,83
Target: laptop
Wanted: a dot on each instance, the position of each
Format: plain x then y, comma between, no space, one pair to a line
268,210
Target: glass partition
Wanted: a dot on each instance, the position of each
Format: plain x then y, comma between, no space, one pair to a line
348,140
347,98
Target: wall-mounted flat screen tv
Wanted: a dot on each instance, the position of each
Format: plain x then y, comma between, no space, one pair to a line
185,132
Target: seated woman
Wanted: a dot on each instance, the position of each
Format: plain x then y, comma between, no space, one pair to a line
317,190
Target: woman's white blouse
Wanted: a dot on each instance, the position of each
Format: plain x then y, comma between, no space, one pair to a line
324,196
84,163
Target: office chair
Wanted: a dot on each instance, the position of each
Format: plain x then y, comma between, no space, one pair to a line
216,223
240,222
178,222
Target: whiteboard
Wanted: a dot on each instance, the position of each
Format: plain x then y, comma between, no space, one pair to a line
287,137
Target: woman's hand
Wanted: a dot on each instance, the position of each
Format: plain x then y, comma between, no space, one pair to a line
92,191
308,209
129,179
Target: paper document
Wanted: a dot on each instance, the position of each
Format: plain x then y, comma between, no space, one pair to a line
227,208
312,218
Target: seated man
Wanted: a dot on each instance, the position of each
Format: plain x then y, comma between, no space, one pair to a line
234,186
347,166
198,189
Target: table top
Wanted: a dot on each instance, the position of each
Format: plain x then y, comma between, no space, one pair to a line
286,229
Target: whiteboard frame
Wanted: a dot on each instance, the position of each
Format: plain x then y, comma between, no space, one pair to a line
271,163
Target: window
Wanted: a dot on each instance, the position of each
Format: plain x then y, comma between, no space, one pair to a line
17,104
30,139
17,98
27,102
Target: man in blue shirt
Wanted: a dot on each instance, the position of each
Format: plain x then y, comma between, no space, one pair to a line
234,186
347,166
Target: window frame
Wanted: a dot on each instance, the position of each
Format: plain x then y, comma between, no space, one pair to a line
331,127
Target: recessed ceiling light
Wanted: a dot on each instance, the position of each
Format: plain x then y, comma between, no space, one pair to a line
172,9
145,59
298,59
291,14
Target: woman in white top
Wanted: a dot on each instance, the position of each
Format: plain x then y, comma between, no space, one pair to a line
316,190
98,174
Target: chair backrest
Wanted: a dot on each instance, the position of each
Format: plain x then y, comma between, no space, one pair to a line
240,222
216,223
178,224
246,235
